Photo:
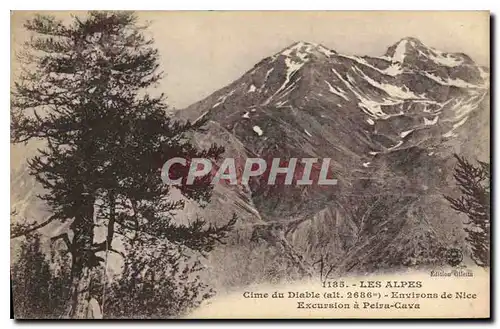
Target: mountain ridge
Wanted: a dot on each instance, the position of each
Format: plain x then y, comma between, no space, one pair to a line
390,125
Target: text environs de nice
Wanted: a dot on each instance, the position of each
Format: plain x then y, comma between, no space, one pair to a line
304,171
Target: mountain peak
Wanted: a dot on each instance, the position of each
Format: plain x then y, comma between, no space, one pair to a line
381,87
304,49
411,51
412,40
404,47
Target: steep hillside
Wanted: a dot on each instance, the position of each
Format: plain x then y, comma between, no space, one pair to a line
390,124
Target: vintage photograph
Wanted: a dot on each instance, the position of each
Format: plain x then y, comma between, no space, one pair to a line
230,164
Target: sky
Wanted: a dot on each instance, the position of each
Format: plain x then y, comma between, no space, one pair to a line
202,52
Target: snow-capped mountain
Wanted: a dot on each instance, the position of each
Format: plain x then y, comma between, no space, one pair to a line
390,124
411,86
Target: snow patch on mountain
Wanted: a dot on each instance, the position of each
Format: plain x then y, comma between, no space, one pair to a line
444,59
484,74
405,133
393,70
460,123
284,93
368,106
268,73
400,52
337,91
304,50
258,130
452,133
392,90
281,103
388,116
451,82
432,122
222,99
201,117
325,51
373,107
463,107
396,146
292,67
297,50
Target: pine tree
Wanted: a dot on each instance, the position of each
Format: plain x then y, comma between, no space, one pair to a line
159,281
85,93
474,201
37,291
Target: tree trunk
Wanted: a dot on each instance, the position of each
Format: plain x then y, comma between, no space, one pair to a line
82,254
79,295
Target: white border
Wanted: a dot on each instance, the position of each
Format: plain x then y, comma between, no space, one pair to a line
198,5
255,5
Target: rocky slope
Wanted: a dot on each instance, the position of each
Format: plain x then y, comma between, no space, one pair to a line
390,124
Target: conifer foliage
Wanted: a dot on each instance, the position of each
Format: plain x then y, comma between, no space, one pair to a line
474,201
85,91
38,292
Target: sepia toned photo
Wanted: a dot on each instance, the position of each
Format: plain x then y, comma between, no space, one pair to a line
250,165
